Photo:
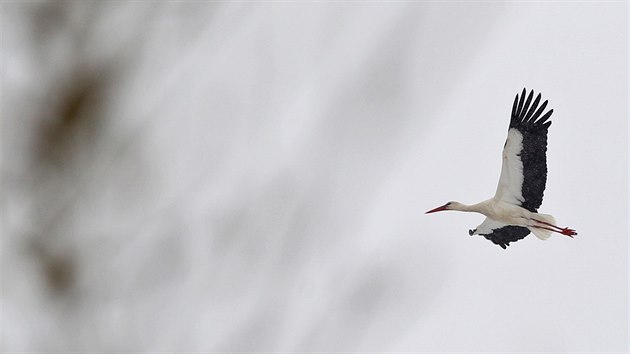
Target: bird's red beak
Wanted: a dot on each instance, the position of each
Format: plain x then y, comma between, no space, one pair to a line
440,208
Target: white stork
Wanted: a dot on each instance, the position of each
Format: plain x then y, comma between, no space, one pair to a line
513,211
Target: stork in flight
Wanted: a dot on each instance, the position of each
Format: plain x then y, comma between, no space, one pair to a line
513,211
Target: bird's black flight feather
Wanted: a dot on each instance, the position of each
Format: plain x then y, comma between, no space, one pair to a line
525,119
504,235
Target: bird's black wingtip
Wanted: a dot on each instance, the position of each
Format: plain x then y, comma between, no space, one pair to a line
525,113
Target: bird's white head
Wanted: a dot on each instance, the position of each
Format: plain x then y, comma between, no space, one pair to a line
447,206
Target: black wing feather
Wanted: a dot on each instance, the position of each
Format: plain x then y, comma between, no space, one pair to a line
539,111
520,103
527,102
533,155
504,235
532,109
514,105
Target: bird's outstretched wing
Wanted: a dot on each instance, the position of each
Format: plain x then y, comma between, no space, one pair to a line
524,169
499,233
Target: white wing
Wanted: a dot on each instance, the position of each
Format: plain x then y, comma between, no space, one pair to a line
511,180
487,226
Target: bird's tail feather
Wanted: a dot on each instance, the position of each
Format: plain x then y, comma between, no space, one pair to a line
542,234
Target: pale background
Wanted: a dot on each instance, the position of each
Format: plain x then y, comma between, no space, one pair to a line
239,176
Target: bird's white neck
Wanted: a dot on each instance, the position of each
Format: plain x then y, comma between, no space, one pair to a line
476,208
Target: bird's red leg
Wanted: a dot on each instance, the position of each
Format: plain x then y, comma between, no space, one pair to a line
566,231
562,230
548,224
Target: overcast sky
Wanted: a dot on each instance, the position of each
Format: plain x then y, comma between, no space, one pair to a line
230,177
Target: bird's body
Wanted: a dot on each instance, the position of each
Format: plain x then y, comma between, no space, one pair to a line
513,211
497,210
